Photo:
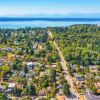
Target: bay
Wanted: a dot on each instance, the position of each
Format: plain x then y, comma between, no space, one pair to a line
45,22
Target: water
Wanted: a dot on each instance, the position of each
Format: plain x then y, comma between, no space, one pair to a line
43,23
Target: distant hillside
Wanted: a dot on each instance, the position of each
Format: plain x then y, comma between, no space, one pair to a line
6,19
70,15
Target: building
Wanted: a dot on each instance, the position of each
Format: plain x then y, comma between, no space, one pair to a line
11,85
61,98
31,65
94,69
22,74
97,85
81,97
91,97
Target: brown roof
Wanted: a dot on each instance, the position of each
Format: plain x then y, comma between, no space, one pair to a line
98,90
60,97
81,97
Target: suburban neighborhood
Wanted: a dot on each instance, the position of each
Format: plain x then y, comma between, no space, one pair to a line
33,67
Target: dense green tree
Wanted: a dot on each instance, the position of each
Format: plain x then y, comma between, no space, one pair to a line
2,96
44,81
66,89
31,90
79,43
17,92
52,74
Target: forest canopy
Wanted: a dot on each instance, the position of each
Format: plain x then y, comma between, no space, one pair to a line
79,43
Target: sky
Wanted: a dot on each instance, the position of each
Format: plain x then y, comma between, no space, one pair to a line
29,7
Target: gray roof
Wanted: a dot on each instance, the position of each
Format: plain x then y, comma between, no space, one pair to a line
22,73
92,97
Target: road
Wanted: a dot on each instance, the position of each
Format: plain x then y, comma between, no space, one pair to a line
74,95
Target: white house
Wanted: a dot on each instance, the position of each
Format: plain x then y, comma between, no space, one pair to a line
11,85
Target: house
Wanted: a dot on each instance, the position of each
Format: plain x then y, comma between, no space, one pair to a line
7,76
48,89
10,56
28,75
2,89
22,74
81,97
0,49
92,97
47,66
31,65
97,77
48,72
54,65
18,85
57,78
73,67
34,73
81,67
35,45
94,69
97,85
8,49
1,62
60,86
15,73
61,91
61,98
11,85
42,93
79,79
42,74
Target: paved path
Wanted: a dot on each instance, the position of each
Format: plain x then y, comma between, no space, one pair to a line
67,76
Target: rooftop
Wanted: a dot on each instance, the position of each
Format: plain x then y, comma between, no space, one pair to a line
92,97
11,85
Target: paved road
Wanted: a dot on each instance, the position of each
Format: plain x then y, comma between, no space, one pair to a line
67,76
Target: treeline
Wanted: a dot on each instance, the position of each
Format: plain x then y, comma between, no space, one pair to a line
79,43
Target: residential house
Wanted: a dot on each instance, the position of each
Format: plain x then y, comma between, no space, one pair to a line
91,97
98,87
10,57
80,80
54,65
11,85
60,89
73,67
81,67
48,72
2,89
8,49
34,73
81,97
7,76
94,69
31,65
61,98
1,62
35,45
15,73
22,74
42,74
29,75
42,93
10,89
